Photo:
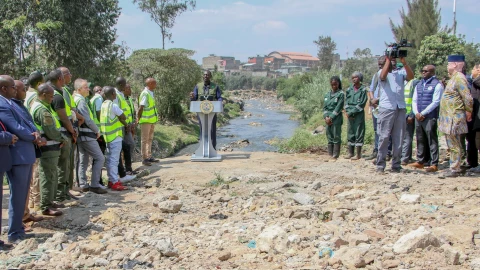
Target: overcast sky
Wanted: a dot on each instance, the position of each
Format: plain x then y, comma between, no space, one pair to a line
250,27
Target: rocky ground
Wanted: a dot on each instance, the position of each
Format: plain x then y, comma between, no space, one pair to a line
264,211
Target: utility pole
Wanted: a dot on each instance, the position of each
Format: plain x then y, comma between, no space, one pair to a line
454,17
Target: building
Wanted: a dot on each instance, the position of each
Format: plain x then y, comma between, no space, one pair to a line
222,62
277,58
257,61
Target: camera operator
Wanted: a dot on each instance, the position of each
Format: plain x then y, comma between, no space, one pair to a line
392,112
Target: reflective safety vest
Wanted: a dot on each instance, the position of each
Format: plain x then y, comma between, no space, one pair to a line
122,103
210,94
408,96
84,130
31,96
68,99
51,144
132,108
149,114
68,109
110,128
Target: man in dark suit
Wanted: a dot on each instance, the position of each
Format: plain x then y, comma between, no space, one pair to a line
6,139
23,157
18,106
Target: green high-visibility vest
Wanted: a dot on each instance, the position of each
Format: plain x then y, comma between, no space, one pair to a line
149,114
408,97
35,107
68,106
84,130
132,108
93,101
211,94
110,128
122,103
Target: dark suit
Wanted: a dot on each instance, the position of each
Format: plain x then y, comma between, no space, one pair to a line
23,157
5,160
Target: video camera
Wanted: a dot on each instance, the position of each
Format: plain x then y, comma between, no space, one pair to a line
393,50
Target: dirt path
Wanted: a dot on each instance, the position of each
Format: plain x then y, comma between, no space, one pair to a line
341,207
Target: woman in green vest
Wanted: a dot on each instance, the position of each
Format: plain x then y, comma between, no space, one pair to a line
356,98
332,113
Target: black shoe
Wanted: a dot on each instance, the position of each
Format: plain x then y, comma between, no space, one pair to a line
19,238
98,190
372,156
397,170
146,162
153,160
5,246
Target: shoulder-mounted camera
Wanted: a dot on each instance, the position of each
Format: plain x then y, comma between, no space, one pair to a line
393,50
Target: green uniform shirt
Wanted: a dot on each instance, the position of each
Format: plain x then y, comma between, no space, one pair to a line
355,100
333,106
44,118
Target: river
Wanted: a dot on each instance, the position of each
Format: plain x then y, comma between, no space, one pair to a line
275,123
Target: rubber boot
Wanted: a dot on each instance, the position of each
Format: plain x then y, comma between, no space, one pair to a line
336,151
330,150
372,156
351,152
359,153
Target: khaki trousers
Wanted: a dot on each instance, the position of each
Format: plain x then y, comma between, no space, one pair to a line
34,197
147,138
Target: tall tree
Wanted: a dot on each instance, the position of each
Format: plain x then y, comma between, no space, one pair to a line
435,50
421,19
164,13
326,52
176,74
362,61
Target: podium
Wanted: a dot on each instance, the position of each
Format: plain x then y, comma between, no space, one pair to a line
206,110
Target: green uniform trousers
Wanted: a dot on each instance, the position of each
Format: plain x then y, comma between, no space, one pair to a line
334,134
64,171
356,130
48,174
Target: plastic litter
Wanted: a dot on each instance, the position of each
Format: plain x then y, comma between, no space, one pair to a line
324,251
430,208
252,244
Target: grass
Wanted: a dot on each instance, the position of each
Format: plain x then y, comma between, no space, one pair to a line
304,140
217,181
174,137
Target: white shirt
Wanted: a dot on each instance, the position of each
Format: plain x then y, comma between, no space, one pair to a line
98,103
144,101
118,93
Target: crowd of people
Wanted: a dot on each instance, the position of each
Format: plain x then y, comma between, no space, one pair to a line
50,135
403,106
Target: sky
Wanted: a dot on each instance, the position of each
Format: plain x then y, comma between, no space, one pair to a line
257,27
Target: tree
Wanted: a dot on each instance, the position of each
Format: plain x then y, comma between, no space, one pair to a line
362,61
326,49
164,13
46,34
421,19
176,74
435,50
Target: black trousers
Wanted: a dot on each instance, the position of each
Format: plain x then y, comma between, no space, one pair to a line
472,151
122,171
427,141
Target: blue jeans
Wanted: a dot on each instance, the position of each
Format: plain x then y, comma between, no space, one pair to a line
112,155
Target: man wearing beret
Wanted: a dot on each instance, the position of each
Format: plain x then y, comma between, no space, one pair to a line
456,108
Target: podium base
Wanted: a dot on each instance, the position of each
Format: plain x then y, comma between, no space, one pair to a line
209,159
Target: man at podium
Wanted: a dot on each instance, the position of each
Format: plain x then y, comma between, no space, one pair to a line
207,90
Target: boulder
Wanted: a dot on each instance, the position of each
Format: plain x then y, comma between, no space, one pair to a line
352,257
419,238
173,206
410,198
303,199
272,238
